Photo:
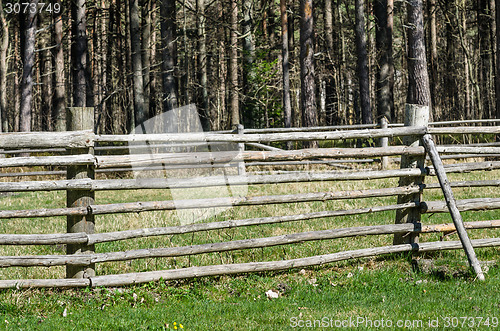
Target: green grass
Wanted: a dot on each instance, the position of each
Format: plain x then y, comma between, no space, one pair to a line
370,289
385,287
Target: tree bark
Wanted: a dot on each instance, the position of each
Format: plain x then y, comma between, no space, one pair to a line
140,113
390,29
79,49
45,59
418,79
287,107
146,53
249,104
59,101
332,65
222,119
307,74
202,67
450,79
434,74
383,91
233,64
363,75
461,15
4,46
497,68
484,27
28,34
169,45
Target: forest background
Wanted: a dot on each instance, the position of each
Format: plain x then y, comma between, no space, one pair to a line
261,63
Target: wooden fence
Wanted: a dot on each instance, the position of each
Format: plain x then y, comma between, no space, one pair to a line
81,163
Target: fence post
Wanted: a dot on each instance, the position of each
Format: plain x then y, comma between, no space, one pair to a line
417,116
384,142
80,118
241,149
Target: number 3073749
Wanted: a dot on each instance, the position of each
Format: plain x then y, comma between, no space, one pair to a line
31,8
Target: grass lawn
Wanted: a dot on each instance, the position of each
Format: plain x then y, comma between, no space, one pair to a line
360,291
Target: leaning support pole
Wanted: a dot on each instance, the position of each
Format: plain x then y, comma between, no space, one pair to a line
452,205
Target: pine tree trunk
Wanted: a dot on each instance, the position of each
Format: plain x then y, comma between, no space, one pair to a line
497,68
28,34
169,45
249,104
434,74
383,90
484,26
233,64
222,119
202,66
307,74
363,75
450,79
59,101
153,99
17,77
390,59
104,72
287,107
45,59
79,51
332,64
462,32
146,53
140,113
4,46
418,79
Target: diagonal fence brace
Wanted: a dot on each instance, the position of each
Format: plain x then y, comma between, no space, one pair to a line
431,149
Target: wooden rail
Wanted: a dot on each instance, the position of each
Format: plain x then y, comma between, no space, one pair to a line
79,147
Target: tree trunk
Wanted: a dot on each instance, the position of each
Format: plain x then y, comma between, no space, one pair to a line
484,26
59,101
222,119
363,75
202,66
79,51
140,112
233,64
17,77
249,104
463,27
434,74
4,46
146,53
287,107
390,60
307,75
153,99
497,68
332,64
28,34
383,91
418,79
45,59
104,45
169,45
450,79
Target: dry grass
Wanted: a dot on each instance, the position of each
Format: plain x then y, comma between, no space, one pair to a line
107,223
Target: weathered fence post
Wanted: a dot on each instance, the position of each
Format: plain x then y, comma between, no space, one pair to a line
241,149
416,116
80,118
384,142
